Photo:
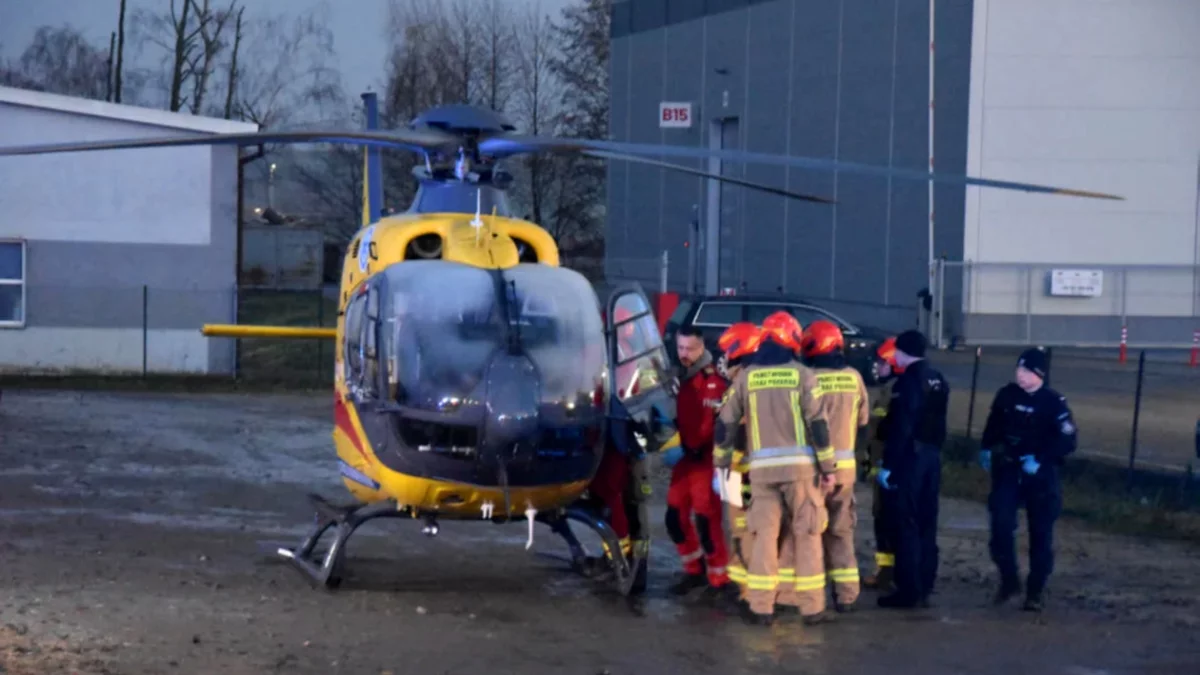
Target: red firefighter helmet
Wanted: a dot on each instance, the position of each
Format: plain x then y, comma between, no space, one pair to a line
739,340
887,353
783,329
822,337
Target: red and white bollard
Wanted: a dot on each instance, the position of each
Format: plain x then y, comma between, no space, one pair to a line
1124,340
1195,348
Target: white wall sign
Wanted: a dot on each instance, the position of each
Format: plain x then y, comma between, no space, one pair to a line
1077,283
674,115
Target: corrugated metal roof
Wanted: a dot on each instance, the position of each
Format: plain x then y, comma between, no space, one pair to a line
122,112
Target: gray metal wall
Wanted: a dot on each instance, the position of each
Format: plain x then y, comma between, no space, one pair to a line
844,79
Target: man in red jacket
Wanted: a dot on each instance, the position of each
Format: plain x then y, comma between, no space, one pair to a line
701,546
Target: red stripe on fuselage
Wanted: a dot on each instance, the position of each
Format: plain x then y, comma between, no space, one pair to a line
341,420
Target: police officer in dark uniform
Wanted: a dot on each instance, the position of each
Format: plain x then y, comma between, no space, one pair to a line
912,470
1029,432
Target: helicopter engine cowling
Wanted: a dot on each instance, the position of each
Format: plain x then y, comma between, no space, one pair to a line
511,415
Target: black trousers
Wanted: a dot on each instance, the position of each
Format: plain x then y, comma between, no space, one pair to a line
883,528
912,507
1041,494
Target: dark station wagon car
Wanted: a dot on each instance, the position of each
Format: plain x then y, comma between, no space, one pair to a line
713,314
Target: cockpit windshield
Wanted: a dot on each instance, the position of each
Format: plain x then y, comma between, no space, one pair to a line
447,320
434,197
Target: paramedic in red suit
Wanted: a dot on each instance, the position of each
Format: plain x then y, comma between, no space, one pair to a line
690,497
614,475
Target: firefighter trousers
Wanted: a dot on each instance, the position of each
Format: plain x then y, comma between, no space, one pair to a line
913,506
838,540
690,497
772,505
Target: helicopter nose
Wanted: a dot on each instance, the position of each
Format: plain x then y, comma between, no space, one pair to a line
513,393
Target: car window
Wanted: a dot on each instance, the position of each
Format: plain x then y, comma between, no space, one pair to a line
805,315
719,313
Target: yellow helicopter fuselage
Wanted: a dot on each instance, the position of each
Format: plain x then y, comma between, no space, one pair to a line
489,242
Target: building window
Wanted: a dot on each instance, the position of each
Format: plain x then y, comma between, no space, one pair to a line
12,283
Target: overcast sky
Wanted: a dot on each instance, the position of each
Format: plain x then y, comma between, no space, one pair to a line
357,26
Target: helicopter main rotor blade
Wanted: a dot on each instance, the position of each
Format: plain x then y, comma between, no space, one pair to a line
406,140
696,172
500,146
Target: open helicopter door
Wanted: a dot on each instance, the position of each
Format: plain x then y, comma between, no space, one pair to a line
641,386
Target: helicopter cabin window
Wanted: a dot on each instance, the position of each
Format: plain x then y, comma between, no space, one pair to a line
362,357
641,360
459,198
12,283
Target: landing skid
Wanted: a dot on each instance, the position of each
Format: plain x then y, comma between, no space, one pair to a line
627,576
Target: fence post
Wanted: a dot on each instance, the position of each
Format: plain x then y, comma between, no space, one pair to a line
145,330
662,272
1124,338
1137,409
974,386
1049,362
1028,305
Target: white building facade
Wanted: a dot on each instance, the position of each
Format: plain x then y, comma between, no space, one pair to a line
111,261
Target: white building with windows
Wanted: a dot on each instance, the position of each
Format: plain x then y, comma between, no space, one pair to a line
112,260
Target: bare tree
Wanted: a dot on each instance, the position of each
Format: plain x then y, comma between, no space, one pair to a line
498,57
535,101
60,60
210,24
581,64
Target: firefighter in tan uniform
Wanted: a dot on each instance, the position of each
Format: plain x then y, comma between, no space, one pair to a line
791,466
873,440
844,396
738,342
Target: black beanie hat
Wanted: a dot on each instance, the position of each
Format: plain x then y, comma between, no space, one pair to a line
1033,360
911,342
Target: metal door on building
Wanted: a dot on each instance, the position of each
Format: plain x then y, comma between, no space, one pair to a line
724,229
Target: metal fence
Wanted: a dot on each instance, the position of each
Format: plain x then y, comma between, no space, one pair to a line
143,330
1150,306
1138,422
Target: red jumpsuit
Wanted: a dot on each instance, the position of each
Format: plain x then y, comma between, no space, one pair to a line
613,476
690,494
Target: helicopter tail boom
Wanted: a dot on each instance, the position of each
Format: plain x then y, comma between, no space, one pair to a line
242,331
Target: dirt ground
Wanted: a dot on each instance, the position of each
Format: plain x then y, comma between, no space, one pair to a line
130,542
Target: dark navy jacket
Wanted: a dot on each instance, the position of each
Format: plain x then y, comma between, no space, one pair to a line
916,413
1038,424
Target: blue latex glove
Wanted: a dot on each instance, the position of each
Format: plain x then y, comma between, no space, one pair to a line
985,459
883,476
671,457
716,484
1030,464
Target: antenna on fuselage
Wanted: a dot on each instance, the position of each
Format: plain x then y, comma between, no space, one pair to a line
477,222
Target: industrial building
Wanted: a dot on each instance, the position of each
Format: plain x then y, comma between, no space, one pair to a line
111,260
1093,96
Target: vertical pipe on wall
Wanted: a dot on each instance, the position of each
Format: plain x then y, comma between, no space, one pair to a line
837,124
931,99
887,226
374,166
787,143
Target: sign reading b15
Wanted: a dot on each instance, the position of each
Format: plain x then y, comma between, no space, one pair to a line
674,115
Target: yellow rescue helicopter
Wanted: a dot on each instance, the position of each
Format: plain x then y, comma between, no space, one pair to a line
476,378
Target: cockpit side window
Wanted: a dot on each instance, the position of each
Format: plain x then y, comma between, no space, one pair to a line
362,349
353,358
